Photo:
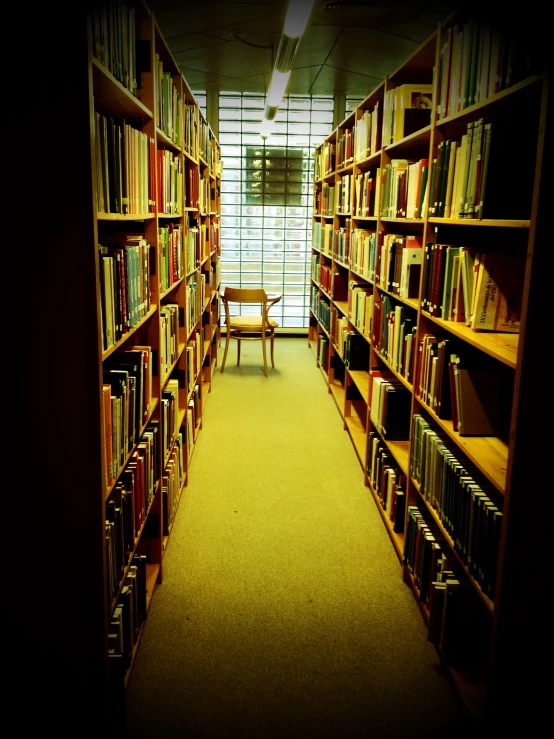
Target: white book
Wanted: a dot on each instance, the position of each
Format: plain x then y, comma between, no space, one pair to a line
411,257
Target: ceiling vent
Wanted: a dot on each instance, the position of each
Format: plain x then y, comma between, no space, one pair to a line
351,9
352,5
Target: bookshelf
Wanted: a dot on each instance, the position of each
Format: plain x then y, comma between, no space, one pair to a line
130,273
395,326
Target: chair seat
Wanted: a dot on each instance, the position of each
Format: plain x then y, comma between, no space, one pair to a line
249,323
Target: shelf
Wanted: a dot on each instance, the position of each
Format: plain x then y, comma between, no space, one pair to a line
125,216
342,305
488,453
396,538
132,332
164,139
500,346
359,437
361,380
168,381
113,98
475,222
337,391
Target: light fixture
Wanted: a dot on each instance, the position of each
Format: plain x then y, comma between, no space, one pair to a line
277,87
296,20
267,128
297,17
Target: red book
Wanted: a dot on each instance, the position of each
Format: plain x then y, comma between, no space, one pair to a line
438,269
401,200
428,276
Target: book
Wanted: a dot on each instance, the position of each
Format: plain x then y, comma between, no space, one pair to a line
108,433
409,98
498,293
395,412
478,400
483,170
433,180
457,298
441,155
410,270
436,610
441,404
474,169
443,179
452,158
454,402
444,74
399,511
468,256
424,188
465,627
455,197
483,63
445,306
427,275
437,279
465,170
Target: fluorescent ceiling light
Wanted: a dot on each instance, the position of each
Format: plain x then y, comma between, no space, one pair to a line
298,13
285,53
277,87
266,128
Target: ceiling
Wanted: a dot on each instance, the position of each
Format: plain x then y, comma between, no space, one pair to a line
347,49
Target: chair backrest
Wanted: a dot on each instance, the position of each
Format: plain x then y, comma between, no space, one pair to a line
244,295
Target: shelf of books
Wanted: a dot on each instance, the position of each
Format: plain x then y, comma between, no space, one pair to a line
424,253
158,173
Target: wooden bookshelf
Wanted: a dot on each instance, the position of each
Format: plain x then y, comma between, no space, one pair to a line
488,574
157,117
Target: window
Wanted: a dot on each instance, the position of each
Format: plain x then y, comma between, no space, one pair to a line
350,104
266,197
200,96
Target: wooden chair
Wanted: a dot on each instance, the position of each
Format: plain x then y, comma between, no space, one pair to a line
250,327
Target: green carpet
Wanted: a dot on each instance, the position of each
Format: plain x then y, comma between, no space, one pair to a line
282,612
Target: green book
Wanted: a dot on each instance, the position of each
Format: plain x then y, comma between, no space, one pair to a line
424,179
451,251
432,184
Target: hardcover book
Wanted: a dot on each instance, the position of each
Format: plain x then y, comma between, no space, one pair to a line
498,293
478,401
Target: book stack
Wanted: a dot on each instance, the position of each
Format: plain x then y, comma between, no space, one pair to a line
387,481
473,285
407,108
368,134
390,404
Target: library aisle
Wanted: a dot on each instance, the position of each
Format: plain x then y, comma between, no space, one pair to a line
283,612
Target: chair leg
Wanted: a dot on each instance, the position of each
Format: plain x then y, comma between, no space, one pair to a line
272,347
226,350
264,353
238,349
